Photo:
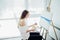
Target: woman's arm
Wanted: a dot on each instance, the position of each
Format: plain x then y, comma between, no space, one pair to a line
29,30
32,28
33,25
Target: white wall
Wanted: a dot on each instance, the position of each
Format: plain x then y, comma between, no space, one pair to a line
9,11
55,8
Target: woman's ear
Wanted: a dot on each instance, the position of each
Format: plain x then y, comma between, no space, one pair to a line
27,15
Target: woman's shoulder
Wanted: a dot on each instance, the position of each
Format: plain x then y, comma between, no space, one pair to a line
21,19
22,23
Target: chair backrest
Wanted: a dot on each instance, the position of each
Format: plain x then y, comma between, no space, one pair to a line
43,33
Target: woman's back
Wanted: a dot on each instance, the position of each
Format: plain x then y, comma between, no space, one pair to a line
23,30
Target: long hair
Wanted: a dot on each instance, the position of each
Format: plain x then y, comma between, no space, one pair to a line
24,13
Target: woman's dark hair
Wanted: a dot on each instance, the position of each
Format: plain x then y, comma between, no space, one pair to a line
24,13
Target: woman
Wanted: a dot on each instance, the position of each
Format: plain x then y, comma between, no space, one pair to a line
23,25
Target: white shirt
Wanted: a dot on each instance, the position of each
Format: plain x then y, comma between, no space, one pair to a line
26,27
